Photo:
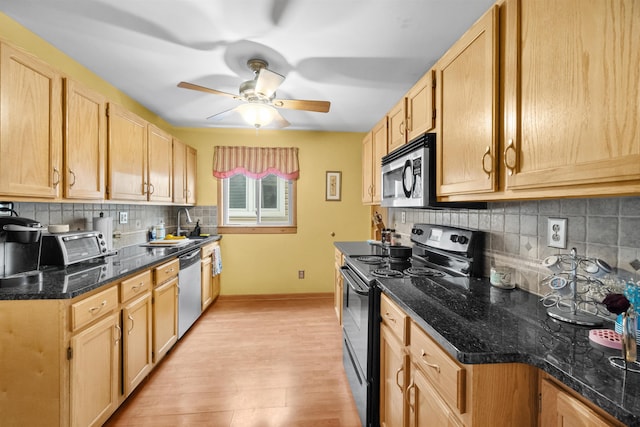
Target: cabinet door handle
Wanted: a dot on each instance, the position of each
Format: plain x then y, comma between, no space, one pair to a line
74,178
389,317
131,328
402,127
510,168
56,177
407,396
119,334
152,189
431,365
400,369
96,310
487,153
136,288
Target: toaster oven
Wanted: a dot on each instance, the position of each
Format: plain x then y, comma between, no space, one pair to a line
72,247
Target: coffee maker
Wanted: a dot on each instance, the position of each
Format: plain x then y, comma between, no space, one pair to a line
20,245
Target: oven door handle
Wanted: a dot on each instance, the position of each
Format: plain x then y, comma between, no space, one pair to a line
353,281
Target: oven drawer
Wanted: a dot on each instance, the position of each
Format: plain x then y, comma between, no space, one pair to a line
394,318
446,375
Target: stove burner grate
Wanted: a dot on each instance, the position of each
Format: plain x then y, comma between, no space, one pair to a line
386,272
371,259
423,272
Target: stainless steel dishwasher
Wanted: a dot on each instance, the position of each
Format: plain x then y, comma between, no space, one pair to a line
189,291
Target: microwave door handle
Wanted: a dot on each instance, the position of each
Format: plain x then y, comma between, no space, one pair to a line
408,168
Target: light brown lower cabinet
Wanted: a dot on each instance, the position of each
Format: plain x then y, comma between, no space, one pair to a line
437,390
426,407
165,308
562,408
210,280
73,362
137,338
95,372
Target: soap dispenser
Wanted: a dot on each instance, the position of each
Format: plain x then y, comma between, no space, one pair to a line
160,230
196,229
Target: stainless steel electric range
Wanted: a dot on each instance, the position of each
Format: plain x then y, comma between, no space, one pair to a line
441,255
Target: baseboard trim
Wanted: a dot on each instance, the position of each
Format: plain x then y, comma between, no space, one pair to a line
271,297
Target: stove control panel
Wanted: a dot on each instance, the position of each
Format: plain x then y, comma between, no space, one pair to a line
445,238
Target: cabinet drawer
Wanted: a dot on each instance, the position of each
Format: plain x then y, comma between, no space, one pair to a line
94,307
446,375
394,318
166,271
207,250
338,257
136,285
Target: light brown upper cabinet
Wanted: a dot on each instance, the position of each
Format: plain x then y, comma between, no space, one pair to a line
467,99
31,126
160,146
192,173
571,85
374,147
184,173
421,112
127,155
85,142
179,172
140,158
397,122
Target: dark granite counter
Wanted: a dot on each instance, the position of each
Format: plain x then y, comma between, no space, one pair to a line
484,324
77,279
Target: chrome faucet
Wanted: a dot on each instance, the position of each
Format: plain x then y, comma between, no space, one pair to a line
189,221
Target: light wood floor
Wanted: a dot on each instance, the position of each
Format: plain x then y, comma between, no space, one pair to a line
250,363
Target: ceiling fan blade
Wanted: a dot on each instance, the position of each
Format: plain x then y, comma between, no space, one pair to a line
186,85
222,115
267,82
301,104
279,121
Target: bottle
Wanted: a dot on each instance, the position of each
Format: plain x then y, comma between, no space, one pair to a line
160,230
152,233
196,229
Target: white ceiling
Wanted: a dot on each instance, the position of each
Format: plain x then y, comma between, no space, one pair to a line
362,56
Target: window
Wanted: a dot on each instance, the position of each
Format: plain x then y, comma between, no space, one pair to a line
256,189
262,201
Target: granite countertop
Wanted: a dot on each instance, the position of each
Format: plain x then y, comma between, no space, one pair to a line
484,324
75,280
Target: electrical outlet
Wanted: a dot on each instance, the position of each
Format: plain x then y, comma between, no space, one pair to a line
557,233
123,217
403,217
300,274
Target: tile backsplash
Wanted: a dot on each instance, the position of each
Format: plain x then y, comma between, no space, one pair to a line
141,218
516,232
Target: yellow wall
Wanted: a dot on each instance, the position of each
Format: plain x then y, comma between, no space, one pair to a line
255,264
269,263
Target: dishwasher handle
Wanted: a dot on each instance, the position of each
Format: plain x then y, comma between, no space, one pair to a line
189,258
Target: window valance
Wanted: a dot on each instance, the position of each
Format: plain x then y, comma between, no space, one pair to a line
255,162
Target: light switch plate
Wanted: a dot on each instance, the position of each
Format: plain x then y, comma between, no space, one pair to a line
557,233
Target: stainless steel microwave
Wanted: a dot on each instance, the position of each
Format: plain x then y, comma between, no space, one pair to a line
409,177
72,247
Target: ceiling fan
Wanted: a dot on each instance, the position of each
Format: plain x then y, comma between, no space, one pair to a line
258,94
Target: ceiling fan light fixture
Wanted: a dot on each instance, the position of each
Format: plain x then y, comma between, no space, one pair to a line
256,114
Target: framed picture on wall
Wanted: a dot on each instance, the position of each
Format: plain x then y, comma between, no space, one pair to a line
334,186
